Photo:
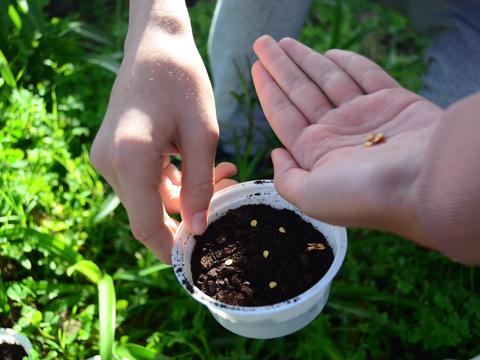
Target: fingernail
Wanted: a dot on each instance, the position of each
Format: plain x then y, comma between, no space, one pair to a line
199,223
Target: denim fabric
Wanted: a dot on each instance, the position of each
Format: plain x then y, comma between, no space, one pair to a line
453,58
235,26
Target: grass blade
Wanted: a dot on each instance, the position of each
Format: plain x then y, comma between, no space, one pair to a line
106,304
138,352
337,25
153,269
23,6
104,61
14,17
89,32
44,241
5,71
4,307
108,206
88,269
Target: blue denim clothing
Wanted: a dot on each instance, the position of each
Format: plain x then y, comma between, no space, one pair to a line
235,26
453,58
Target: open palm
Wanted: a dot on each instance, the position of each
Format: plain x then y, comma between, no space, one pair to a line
322,108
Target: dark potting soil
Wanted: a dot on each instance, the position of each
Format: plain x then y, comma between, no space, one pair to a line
12,352
256,255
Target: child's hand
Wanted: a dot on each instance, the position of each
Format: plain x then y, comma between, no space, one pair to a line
323,108
170,189
172,180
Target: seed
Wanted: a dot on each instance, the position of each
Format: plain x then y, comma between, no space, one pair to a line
266,253
315,246
378,138
228,262
253,223
282,230
373,139
272,284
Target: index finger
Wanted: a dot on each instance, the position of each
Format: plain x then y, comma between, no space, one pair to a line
335,83
301,90
285,119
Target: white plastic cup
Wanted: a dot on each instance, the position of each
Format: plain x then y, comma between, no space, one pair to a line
10,336
260,322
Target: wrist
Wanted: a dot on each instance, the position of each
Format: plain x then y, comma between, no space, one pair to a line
407,223
156,28
145,8
449,190
163,17
397,202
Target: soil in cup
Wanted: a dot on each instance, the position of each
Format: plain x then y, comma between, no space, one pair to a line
12,352
256,255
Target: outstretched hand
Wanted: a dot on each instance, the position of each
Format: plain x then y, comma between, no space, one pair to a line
322,108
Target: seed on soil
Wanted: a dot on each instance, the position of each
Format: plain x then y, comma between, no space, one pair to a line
253,223
272,284
282,230
266,253
228,262
370,137
315,246
367,144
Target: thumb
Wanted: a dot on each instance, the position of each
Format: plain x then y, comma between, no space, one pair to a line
198,157
289,179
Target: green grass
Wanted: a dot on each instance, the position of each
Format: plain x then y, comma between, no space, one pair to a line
64,243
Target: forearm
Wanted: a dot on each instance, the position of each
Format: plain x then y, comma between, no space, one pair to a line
147,10
153,21
449,184
159,45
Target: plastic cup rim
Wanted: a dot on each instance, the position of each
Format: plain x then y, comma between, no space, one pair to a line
272,309
18,339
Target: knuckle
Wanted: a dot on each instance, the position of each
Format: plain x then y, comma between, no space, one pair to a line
330,52
212,135
97,157
200,191
140,232
209,136
119,162
306,204
279,108
295,83
333,75
124,159
310,58
351,62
